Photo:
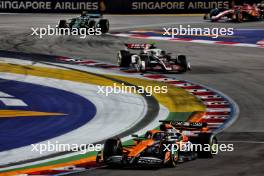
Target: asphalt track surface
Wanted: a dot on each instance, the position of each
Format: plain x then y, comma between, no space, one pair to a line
236,71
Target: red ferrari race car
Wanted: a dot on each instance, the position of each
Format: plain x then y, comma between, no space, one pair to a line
238,13
149,57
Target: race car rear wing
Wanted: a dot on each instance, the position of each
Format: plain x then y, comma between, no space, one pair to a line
92,14
185,125
95,15
139,46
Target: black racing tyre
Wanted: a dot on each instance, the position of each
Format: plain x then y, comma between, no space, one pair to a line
262,14
173,159
123,58
62,24
91,24
97,160
182,61
112,147
104,25
239,16
206,16
207,139
141,62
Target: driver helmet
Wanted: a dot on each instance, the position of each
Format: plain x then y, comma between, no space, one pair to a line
162,53
83,13
145,51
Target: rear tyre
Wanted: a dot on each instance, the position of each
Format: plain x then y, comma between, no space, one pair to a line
182,61
104,25
239,16
123,58
112,147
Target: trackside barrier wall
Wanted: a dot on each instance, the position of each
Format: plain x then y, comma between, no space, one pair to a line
114,6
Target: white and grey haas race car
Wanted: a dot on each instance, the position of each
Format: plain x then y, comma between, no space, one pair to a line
149,57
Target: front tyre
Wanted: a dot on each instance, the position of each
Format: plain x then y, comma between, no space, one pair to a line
170,157
112,147
62,24
140,65
206,17
174,158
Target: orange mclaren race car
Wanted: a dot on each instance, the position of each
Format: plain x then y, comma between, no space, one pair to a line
166,147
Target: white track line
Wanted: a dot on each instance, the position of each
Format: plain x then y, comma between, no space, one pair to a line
153,25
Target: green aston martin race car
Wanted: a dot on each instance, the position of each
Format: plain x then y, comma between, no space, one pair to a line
86,20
